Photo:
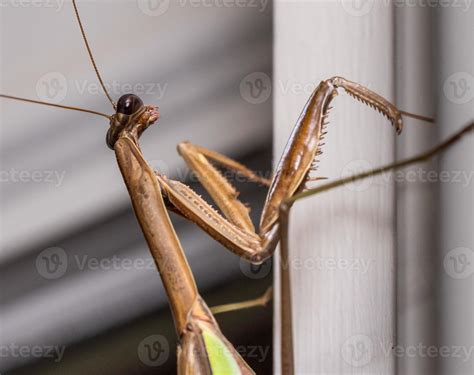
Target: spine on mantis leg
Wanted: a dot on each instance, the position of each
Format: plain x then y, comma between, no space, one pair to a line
299,153
299,156
203,349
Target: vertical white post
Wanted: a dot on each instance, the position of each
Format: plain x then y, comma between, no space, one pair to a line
416,195
455,55
341,242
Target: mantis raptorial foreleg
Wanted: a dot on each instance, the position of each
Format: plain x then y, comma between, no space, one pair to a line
222,192
189,150
237,232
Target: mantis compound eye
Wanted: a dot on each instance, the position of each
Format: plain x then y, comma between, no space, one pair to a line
128,104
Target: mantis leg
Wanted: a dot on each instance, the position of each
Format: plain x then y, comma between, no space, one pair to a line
222,192
284,212
235,231
441,147
261,301
188,150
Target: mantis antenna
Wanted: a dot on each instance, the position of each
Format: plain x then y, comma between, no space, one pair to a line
54,105
418,117
96,71
90,54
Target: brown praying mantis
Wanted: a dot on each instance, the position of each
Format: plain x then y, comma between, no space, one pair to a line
203,349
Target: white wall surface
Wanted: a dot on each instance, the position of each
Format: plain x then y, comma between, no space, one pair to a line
342,242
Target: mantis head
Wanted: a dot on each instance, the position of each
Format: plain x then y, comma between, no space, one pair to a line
131,117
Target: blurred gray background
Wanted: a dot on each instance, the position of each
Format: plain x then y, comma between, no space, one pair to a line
79,291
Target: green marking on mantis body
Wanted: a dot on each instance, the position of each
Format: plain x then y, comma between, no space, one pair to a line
220,356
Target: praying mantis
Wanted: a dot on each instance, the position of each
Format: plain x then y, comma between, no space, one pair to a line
203,348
